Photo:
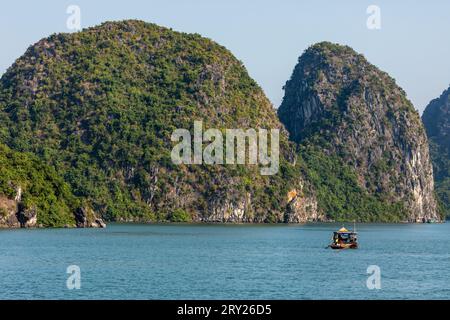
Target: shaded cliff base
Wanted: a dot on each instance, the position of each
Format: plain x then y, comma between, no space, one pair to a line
301,206
14,214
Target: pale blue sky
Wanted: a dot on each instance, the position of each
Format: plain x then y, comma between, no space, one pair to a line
268,36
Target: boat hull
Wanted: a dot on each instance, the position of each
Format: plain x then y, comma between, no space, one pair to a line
344,246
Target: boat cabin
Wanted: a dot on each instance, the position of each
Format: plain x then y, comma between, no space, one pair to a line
344,239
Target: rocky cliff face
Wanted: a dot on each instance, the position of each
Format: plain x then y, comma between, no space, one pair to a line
9,210
14,214
436,119
340,103
101,105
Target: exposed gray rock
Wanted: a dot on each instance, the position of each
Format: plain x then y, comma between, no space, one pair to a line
363,117
302,208
27,216
85,218
436,119
8,213
13,214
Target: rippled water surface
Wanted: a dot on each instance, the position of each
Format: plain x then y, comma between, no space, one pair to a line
126,261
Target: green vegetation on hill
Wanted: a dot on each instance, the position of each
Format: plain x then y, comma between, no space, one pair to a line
340,195
441,166
97,108
362,142
100,105
41,187
436,119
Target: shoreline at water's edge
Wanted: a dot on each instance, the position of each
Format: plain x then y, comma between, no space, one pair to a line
200,223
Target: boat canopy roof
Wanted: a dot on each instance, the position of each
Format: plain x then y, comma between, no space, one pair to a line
344,231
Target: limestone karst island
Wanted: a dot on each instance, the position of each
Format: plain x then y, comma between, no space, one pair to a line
87,118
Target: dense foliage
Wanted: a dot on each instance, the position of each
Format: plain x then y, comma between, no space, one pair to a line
436,119
340,195
100,105
40,185
361,140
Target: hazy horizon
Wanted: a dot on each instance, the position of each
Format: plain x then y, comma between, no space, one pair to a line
268,36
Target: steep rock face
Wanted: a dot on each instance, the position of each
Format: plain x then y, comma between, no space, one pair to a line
436,119
302,208
349,110
100,105
16,214
8,213
85,217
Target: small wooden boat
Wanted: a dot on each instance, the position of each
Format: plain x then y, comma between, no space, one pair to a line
344,239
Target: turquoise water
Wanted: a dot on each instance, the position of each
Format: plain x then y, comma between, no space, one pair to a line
128,261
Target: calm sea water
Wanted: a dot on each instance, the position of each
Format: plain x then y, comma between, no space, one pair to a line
225,262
